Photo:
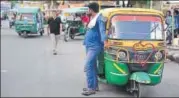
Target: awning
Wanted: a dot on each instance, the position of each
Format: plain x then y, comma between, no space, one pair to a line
77,5
63,6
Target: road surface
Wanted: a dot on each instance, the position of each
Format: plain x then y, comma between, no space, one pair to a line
28,69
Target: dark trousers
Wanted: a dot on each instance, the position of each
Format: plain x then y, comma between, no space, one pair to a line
176,32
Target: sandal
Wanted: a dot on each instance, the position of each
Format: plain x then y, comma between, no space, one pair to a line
87,93
85,89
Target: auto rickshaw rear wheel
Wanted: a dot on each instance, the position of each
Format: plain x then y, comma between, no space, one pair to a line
19,34
41,33
10,26
66,34
72,36
66,37
25,35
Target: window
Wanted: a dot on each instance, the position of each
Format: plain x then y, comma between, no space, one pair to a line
136,27
25,16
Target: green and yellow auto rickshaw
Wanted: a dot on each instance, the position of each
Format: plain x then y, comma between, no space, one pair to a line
136,49
29,21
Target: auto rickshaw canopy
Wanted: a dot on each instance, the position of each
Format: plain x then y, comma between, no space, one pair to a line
69,11
28,10
108,11
76,10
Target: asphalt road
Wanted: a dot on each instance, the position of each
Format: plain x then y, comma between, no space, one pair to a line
28,69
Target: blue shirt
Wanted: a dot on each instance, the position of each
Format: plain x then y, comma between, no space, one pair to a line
96,35
176,21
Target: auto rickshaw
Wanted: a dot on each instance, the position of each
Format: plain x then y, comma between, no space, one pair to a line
29,21
73,24
136,48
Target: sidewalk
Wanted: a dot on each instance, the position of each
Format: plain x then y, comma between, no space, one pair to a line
173,53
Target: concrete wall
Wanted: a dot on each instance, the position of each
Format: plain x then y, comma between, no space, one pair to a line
155,4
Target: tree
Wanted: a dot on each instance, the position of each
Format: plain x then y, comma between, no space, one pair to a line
49,2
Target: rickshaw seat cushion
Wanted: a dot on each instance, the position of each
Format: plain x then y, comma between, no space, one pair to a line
140,77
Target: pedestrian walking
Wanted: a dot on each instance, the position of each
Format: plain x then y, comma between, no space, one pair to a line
94,43
168,22
54,28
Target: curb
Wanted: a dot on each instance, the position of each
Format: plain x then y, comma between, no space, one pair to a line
173,57
176,57
173,47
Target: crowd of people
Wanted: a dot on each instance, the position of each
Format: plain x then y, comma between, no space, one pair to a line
169,24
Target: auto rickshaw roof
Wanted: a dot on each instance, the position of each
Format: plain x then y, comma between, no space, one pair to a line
28,10
13,10
107,11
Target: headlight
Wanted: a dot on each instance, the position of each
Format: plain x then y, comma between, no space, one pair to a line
158,56
122,55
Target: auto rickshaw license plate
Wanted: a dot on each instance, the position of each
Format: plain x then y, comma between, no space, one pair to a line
141,56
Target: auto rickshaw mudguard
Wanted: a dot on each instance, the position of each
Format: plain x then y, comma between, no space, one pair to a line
115,72
140,77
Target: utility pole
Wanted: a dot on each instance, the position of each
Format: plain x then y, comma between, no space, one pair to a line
51,4
151,4
99,2
51,7
161,7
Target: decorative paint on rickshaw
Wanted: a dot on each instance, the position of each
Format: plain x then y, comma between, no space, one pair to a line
130,43
136,47
135,18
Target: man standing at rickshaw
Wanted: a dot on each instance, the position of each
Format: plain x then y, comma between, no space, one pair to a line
54,28
94,44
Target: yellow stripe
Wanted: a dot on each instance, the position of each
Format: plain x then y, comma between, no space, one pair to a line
158,68
130,43
118,68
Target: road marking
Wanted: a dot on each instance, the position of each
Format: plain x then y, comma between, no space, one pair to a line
3,71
